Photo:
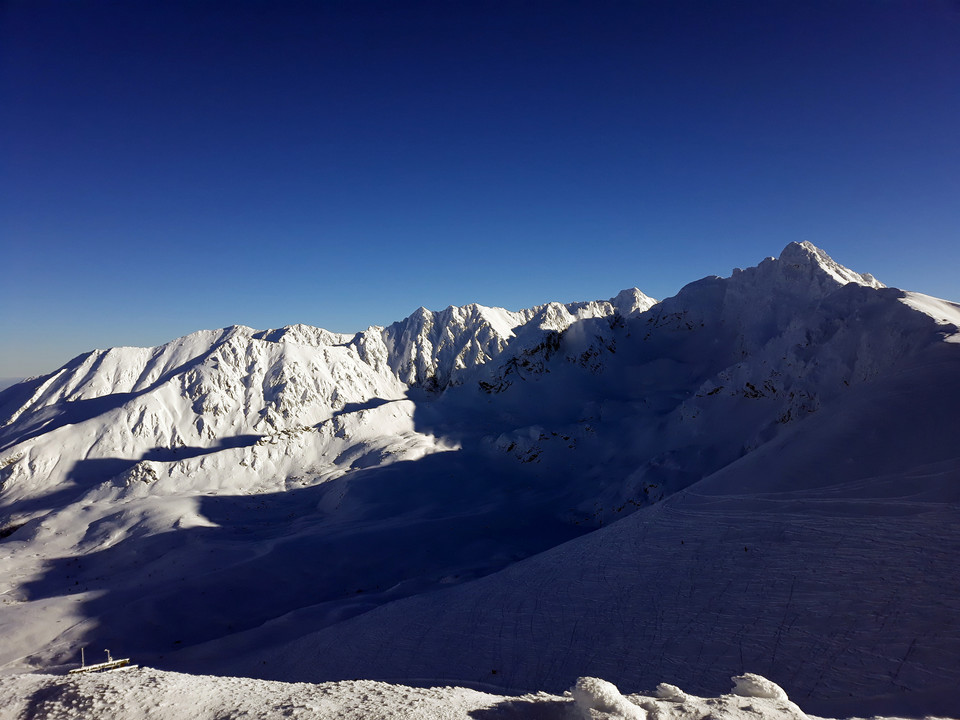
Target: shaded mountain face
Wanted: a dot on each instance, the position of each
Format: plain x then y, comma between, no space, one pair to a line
241,495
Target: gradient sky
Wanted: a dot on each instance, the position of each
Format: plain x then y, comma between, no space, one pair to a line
171,166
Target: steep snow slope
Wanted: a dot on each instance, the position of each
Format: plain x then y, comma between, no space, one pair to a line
210,400
420,498
651,403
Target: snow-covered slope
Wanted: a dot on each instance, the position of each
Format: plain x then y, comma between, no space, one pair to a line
437,498
131,444
826,560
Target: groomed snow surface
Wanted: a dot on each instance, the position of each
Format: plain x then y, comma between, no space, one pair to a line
145,693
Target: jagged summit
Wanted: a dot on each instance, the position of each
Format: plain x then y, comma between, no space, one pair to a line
631,302
758,303
807,258
433,349
803,270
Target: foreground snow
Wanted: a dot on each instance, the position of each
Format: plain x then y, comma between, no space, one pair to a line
141,693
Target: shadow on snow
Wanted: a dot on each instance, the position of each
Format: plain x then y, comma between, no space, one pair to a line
329,552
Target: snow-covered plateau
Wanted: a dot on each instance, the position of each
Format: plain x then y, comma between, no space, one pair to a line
760,474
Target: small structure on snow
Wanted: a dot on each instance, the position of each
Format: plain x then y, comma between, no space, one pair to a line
110,664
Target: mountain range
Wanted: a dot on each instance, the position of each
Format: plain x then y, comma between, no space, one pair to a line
759,474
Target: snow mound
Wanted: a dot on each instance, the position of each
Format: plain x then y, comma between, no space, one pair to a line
750,685
666,691
596,698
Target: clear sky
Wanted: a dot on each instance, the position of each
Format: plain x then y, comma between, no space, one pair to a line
171,166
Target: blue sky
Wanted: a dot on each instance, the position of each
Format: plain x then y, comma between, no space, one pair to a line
172,166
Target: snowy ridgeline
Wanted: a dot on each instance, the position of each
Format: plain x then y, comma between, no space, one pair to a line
146,693
239,409
761,472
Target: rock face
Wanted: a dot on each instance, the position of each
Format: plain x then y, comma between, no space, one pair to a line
529,492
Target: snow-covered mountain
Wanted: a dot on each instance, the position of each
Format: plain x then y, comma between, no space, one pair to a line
223,398
760,473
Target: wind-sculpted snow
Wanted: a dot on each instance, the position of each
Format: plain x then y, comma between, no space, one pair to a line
135,694
757,473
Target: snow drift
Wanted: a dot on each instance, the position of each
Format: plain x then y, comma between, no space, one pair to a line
142,693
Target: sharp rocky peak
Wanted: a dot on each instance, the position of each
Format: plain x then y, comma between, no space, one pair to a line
803,270
806,258
802,274
632,302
